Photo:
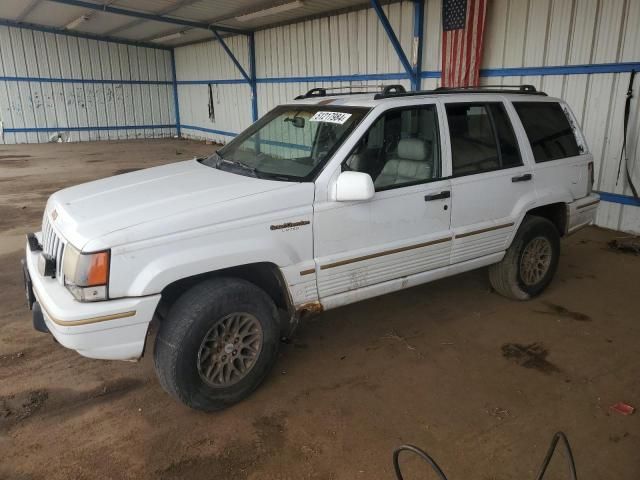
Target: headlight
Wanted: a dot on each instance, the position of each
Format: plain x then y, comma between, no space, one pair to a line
86,274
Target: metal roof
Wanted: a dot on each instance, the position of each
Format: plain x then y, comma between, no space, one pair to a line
145,20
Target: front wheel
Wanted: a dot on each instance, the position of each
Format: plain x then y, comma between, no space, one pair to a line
217,344
530,262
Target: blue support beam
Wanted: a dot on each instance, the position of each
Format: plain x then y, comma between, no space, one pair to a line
233,58
176,102
392,37
252,74
73,33
418,40
146,16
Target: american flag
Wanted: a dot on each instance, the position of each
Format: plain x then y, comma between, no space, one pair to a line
462,32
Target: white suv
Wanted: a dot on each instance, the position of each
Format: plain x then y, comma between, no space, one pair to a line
331,199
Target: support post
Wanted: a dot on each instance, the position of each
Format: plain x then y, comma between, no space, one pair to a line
393,38
252,75
418,40
176,101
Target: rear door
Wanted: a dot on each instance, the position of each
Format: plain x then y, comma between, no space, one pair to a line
558,150
491,184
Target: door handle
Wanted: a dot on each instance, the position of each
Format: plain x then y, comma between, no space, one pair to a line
437,196
522,178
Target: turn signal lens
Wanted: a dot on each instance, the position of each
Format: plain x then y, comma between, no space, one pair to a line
98,271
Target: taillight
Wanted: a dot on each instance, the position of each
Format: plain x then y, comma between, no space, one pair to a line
591,180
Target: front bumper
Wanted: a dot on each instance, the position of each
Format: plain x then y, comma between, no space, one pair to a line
110,330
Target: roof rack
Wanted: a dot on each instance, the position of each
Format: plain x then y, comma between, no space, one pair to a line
513,89
381,89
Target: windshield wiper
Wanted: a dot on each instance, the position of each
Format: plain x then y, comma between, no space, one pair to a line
236,163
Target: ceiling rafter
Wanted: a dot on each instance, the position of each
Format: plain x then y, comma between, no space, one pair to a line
228,16
31,6
148,16
134,23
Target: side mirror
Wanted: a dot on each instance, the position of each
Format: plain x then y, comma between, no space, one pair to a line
354,186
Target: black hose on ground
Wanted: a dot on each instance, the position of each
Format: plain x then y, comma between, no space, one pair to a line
434,466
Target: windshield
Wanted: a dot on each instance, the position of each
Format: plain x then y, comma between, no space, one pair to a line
289,143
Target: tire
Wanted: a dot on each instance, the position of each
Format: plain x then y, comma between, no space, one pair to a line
512,277
183,359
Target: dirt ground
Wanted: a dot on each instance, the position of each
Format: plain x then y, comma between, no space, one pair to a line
480,382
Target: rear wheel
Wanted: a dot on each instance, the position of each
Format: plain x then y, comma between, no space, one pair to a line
530,262
217,344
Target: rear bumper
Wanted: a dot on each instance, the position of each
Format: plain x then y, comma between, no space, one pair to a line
582,212
110,330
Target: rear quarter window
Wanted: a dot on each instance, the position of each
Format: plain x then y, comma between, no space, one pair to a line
548,130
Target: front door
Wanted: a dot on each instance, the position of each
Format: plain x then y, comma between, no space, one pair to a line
405,228
490,182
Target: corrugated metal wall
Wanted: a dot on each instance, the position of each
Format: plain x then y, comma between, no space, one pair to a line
204,64
334,48
82,89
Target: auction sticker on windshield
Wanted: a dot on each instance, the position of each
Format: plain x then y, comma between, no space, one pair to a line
330,117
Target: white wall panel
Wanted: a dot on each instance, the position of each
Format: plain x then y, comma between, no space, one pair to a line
208,62
95,100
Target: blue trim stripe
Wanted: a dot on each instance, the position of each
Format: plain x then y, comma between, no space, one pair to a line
208,130
490,72
215,82
322,78
618,198
84,80
584,69
561,70
335,78
84,129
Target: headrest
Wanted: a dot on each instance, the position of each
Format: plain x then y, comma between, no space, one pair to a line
412,149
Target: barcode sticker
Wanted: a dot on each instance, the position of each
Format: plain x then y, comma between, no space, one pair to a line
330,117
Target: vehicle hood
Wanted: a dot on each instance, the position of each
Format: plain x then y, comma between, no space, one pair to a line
95,209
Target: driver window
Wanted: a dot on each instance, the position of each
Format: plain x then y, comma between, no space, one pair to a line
401,148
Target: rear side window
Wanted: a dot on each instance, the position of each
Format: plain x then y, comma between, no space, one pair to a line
482,138
548,130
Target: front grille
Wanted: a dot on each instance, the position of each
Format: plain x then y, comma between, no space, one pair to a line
52,244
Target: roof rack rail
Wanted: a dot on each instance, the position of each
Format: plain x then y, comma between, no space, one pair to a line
522,88
322,91
512,89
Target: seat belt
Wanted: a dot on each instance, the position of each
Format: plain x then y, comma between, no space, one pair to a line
623,152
